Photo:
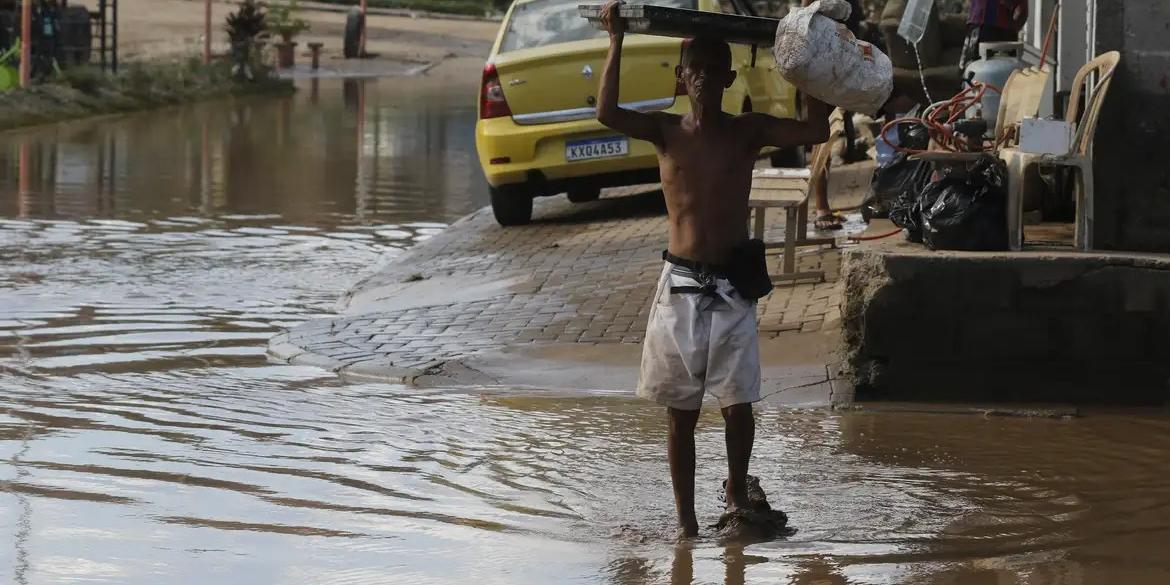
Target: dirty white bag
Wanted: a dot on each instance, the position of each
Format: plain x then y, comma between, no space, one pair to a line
820,56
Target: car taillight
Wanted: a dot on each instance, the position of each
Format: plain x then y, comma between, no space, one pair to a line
492,103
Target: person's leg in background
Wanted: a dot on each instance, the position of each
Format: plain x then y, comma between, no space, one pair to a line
819,183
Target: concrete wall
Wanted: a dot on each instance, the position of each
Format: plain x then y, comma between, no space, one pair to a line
1133,138
1032,327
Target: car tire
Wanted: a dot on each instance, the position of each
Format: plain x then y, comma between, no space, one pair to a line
584,194
355,24
511,204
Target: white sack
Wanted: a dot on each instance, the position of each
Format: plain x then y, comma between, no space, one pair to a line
823,59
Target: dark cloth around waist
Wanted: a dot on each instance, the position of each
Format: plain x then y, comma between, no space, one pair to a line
695,267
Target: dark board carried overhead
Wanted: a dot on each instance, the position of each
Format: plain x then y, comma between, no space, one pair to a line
683,23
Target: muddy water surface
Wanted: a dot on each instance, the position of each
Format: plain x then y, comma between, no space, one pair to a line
144,438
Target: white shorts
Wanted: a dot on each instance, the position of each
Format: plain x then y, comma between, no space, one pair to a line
699,342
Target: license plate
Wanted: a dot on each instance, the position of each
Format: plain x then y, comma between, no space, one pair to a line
596,148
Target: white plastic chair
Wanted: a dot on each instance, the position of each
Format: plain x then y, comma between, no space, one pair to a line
1097,75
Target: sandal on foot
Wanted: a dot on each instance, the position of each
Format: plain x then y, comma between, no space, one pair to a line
829,221
745,523
757,499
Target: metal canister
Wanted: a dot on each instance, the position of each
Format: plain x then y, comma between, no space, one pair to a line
996,63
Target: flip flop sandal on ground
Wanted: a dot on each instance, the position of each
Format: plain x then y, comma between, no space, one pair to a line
829,222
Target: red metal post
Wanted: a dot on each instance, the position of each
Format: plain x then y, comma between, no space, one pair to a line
206,32
24,192
25,43
365,27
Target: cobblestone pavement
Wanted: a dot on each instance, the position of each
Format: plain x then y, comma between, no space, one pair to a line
580,273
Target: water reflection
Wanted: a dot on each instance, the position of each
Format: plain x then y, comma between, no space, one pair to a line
346,148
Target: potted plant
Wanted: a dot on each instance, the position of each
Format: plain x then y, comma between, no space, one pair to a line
283,22
244,28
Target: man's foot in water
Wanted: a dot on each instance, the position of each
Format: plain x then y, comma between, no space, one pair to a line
752,498
751,517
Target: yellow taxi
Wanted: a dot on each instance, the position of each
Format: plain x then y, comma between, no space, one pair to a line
537,132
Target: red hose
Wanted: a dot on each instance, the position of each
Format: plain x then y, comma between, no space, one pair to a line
938,120
871,238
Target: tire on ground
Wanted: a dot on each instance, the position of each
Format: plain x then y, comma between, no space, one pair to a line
355,23
76,36
512,204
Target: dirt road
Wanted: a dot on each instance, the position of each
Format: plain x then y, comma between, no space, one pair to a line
151,28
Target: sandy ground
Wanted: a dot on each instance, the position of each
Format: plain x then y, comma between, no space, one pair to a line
154,28
792,373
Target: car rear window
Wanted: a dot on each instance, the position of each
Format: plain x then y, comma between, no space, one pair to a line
548,22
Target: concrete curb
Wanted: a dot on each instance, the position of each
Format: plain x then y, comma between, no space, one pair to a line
381,370
383,11
282,350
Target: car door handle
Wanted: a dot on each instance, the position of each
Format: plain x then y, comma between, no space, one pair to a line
516,82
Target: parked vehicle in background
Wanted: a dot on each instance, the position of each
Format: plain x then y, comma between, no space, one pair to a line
537,132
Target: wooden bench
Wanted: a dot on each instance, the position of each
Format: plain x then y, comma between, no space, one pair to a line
786,189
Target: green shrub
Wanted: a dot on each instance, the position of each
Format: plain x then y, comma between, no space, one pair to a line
82,91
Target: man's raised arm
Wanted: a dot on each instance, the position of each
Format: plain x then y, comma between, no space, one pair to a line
633,124
782,132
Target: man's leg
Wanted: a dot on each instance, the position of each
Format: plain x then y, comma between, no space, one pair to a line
820,189
740,435
819,184
680,451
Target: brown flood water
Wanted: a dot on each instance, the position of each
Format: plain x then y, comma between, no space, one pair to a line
144,439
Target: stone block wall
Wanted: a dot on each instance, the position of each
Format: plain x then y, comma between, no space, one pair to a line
1132,155
1018,328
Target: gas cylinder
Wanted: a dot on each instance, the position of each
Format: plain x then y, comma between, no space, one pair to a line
995,64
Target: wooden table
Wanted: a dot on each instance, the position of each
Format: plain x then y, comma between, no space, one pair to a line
786,189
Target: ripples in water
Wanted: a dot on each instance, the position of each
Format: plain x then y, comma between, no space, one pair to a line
301,479
78,295
145,439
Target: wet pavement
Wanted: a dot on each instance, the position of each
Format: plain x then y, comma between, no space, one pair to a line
144,437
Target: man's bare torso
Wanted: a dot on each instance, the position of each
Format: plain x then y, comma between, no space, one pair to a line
706,176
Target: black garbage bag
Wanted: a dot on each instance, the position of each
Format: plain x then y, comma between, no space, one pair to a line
906,210
907,214
889,182
913,136
967,210
899,176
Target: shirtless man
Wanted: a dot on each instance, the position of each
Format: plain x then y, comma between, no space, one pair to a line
702,335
